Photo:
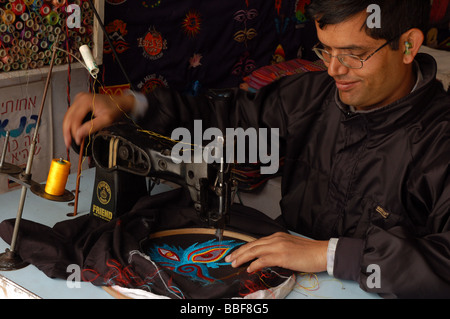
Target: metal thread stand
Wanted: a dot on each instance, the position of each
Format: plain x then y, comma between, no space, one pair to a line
10,260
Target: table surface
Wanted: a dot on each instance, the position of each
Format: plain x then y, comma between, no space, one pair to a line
46,212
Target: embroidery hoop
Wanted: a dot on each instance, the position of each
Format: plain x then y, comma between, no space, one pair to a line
204,231
126,293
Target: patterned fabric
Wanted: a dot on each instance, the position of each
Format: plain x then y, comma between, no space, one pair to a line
268,74
192,45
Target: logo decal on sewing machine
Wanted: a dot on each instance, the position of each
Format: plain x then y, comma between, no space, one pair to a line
103,192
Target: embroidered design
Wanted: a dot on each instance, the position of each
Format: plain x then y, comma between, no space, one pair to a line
242,36
114,89
191,23
279,55
244,66
151,4
153,44
300,10
243,16
116,30
281,24
278,5
151,82
195,260
194,61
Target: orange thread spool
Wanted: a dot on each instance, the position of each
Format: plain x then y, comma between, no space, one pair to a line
57,177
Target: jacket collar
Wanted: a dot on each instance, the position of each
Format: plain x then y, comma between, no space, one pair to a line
400,110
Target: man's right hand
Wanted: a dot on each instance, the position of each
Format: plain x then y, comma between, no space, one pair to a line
106,110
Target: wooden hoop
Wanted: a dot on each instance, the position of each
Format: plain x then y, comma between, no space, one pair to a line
206,231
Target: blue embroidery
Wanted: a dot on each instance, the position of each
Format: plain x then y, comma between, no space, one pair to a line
195,260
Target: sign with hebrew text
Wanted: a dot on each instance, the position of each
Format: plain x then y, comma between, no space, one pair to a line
19,111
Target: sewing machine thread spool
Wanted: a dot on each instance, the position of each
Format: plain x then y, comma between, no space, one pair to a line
57,177
89,60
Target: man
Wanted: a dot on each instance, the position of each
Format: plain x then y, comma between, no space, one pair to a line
367,151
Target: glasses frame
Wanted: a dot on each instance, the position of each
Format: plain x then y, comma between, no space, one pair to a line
340,57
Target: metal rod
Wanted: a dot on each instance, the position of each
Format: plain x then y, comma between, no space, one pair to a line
2,160
77,188
32,150
41,109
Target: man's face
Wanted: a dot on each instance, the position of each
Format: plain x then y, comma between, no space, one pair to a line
383,78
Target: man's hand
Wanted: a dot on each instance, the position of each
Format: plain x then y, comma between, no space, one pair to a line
282,250
105,109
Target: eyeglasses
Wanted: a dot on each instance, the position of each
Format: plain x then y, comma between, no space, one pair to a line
348,60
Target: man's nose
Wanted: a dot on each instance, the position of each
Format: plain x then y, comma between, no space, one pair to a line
336,68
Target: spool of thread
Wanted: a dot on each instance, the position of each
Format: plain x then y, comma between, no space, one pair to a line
58,3
18,7
89,60
9,17
45,10
52,18
57,177
24,16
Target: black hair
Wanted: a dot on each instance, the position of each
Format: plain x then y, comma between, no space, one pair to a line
397,16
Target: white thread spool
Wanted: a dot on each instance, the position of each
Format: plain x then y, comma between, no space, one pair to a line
89,60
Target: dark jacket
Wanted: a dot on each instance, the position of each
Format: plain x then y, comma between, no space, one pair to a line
379,181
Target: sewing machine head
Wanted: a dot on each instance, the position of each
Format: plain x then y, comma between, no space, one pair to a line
126,156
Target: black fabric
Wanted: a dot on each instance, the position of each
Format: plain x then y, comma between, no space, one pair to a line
110,253
381,177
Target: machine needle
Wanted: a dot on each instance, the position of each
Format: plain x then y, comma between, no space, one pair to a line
219,234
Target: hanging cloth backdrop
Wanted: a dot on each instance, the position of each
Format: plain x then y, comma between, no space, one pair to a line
195,45
126,253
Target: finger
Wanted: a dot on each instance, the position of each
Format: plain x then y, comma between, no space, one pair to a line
254,252
67,136
260,256
90,127
261,241
74,116
241,251
262,262
71,123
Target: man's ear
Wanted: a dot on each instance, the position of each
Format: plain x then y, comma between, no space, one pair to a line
410,43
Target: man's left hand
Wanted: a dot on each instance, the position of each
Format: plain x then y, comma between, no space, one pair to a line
282,250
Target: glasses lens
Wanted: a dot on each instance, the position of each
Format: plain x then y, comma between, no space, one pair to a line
351,61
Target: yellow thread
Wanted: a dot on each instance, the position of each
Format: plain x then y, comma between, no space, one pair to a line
309,284
57,177
313,283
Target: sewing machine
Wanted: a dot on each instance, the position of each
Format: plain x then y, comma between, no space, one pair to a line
126,156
